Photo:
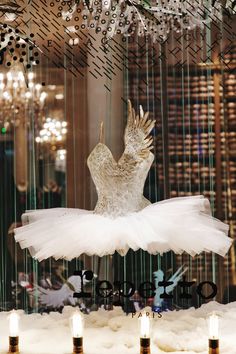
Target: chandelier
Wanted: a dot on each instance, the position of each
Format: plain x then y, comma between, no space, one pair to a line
17,98
13,88
53,131
154,18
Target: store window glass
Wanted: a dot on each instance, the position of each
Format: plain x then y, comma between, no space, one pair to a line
66,71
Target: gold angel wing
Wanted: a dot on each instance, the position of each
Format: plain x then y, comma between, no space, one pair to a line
138,144
124,168
137,133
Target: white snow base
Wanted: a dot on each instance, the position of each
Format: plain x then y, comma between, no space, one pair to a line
115,333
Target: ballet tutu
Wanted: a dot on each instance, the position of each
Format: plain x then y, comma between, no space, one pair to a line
177,224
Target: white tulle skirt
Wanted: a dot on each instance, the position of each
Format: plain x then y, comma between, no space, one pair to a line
177,224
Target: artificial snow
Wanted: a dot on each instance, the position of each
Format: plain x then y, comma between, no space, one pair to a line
114,332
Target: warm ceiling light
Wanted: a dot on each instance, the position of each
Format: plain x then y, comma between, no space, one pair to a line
59,96
52,87
30,76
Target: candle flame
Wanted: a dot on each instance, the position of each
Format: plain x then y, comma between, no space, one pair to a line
14,324
145,327
77,325
214,326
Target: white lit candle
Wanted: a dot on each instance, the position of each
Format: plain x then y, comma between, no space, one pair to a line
213,334
145,327
14,324
77,325
145,334
14,332
214,327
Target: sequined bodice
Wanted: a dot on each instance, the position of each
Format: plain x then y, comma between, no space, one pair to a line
119,184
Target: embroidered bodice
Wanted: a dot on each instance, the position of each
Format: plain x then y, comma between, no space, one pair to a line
120,184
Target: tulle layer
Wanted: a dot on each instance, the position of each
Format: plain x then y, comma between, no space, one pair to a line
177,224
